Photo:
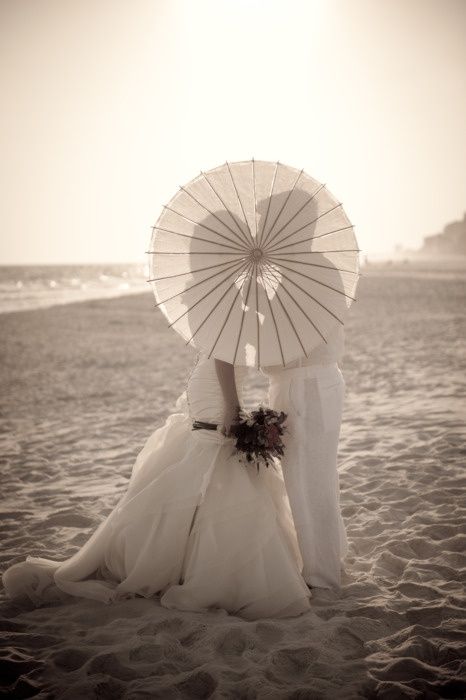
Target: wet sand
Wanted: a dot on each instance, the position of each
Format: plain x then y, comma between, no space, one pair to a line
83,386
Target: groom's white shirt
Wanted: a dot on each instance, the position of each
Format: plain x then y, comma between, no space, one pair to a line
324,353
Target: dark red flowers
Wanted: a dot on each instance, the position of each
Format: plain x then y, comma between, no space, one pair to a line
259,434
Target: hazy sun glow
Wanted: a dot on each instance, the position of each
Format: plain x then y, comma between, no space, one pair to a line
108,106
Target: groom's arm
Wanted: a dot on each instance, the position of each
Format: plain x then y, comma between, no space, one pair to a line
226,377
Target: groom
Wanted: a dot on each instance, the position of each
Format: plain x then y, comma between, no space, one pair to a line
311,393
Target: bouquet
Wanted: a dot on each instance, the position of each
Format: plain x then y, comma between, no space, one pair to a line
259,435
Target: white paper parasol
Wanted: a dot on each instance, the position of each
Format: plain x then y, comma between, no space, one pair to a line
254,263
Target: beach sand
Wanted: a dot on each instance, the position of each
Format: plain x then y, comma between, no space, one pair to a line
82,387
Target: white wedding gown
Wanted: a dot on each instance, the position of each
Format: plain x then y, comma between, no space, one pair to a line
196,527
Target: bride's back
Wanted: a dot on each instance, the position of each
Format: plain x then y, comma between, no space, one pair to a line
204,393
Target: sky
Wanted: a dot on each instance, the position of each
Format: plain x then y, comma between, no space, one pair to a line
108,106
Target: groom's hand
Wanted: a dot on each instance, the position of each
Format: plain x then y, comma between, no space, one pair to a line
231,416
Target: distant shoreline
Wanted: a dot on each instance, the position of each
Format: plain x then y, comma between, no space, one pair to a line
418,258
456,263
44,305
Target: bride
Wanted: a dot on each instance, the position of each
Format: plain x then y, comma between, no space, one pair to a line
196,527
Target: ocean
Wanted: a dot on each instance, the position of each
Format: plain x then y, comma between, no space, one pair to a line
25,287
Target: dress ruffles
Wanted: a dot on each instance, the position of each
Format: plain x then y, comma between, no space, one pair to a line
196,528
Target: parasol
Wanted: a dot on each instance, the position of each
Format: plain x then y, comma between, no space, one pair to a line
254,263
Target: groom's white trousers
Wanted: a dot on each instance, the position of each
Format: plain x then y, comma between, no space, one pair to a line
312,396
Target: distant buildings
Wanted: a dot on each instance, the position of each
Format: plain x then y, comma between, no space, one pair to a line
448,246
451,241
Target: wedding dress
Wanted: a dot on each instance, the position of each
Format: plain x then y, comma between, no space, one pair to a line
196,527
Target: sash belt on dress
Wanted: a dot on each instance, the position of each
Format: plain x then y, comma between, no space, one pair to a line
200,425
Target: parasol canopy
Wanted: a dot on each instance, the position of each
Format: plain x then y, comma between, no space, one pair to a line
254,263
